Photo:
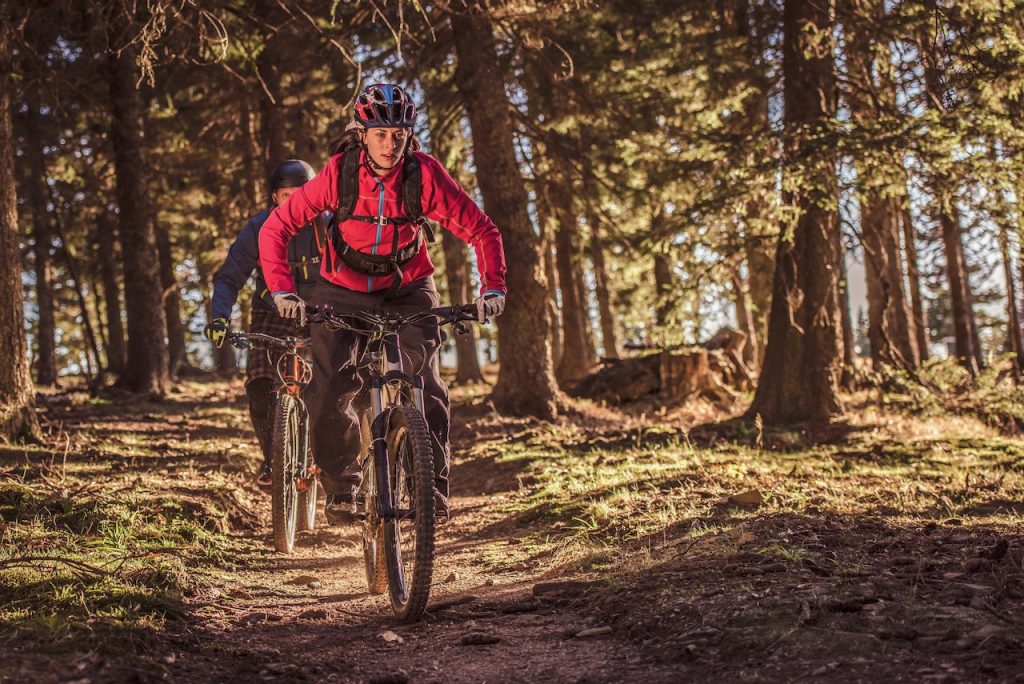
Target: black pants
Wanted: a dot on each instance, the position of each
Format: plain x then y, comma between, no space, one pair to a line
333,415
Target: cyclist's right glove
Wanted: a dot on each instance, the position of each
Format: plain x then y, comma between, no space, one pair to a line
290,305
217,331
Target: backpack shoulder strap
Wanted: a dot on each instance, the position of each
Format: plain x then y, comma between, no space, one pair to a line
348,185
412,194
412,188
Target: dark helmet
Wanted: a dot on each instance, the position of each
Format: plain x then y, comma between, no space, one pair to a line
383,105
291,174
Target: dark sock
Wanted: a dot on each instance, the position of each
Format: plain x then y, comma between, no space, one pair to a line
261,394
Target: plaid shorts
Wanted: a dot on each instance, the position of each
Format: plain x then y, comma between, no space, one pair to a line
262,363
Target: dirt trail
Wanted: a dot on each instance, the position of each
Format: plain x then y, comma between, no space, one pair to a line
307,616
895,554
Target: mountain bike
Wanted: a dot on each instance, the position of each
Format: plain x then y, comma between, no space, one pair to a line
294,485
395,497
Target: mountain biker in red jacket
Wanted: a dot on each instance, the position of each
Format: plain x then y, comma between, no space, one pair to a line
376,259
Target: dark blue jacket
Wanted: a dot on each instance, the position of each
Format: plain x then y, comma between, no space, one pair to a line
244,257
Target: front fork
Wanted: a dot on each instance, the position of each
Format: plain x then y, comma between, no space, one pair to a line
306,469
379,434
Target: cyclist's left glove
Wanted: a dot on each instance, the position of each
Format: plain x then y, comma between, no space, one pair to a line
217,331
489,305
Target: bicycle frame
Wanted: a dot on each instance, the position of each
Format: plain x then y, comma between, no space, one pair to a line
388,378
293,373
386,385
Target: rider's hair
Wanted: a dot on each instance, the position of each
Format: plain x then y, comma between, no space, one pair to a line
350,139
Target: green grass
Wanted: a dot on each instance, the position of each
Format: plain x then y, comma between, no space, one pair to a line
106,535
593,505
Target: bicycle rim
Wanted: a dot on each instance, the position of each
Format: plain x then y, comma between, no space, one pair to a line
284,462
409,541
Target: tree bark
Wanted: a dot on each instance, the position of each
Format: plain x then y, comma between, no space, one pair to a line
609,338
555,328
1014,338
146,371
578,356
526,383
36,184
744,319
268,69
737,25
107,256
802,359
456,269
914,281
663,281
889,317
17,401
171,297
889,320
847,378
90,337
949,219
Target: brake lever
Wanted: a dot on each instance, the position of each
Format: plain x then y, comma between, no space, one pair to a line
460,328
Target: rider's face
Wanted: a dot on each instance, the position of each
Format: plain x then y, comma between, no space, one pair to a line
386,145
281,194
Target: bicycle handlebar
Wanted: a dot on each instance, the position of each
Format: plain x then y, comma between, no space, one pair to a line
253,339
391,320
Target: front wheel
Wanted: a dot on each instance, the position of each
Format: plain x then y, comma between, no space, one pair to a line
409,536
287,440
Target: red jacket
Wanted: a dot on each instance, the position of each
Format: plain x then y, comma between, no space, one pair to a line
442,200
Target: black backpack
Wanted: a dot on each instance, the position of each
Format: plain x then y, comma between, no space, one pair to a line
348,193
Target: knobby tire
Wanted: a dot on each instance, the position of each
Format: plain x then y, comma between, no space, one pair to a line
411,465
284,462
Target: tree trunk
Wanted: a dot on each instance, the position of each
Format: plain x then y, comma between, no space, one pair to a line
146,370
252,183
107,256
36,189
578,356
90,337
554,311
456,269
663,282
889,318
526,382
847,378
1015,340
737,25
744,319
959,288
17,401
609,338
914,280
798,381
171,296
949,219
272,110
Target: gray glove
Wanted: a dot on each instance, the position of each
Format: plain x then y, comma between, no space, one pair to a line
290,305
489,305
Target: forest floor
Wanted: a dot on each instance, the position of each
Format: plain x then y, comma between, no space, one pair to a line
605,547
